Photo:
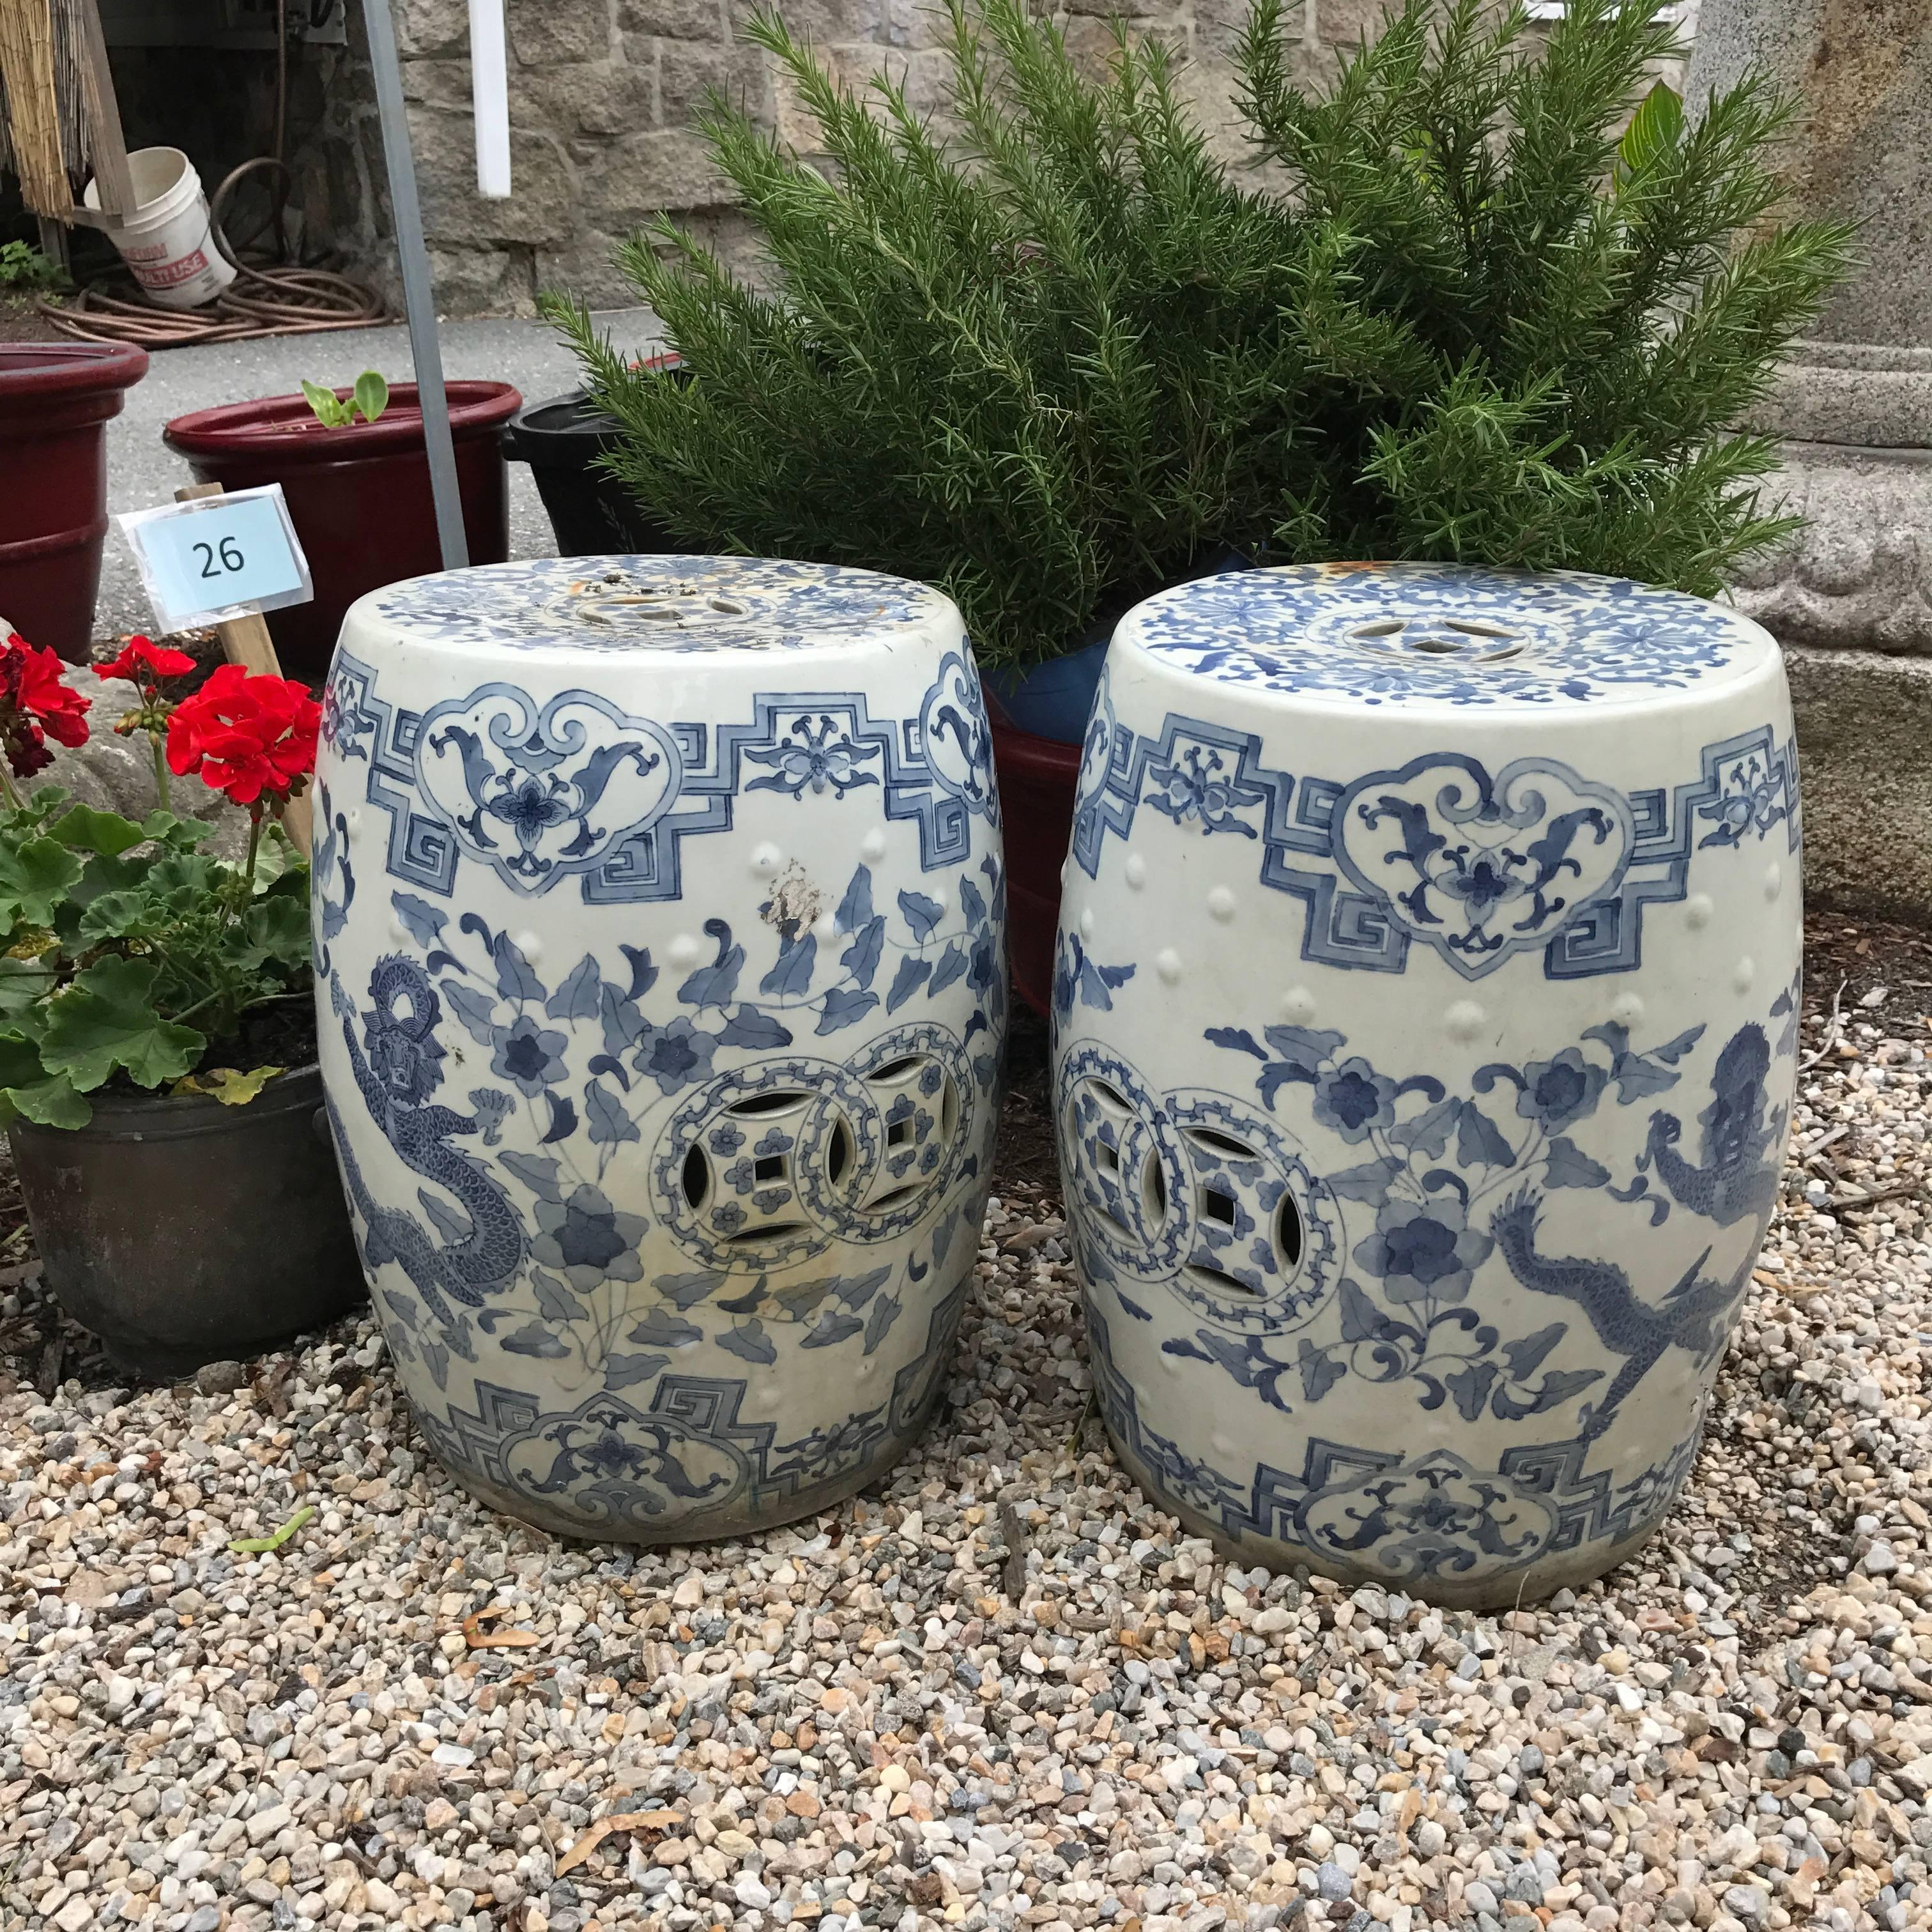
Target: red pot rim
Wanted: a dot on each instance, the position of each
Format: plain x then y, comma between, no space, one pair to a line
44,369
1027,751
285,427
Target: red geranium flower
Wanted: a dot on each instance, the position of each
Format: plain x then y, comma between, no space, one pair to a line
35,705
142,661
252,738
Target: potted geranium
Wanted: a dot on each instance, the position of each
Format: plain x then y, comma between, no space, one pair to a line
1059,357
157,1074
355,470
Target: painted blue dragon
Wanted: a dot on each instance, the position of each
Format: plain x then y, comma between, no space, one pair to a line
402,1069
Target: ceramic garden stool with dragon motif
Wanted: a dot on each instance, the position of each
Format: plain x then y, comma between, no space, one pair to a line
1425,1021
658,925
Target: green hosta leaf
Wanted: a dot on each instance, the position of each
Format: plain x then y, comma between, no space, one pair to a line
34,877
372,394
1654,130
225,1085
84,830
106,1020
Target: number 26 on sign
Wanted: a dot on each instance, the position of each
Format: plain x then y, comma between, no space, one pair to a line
211,560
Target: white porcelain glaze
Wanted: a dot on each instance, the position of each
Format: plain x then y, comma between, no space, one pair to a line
659,921
1425,1030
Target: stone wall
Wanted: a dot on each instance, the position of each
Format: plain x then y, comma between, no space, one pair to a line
603,93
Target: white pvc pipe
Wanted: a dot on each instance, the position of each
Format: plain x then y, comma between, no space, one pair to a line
490,96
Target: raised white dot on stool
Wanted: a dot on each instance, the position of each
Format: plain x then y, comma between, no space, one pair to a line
1135,870
355,817
1744,974
1627,1010
683,951
1297,1005
1221,904
1698,909
827,926
1465,1020
1167,964
1089,925
1223,1443
1774,880
766,858
529,945
873,845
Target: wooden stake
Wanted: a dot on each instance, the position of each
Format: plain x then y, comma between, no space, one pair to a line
245,641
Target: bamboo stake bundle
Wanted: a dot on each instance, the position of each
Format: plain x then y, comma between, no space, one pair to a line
45,126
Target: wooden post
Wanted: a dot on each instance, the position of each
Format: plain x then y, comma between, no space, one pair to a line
111,171
245,641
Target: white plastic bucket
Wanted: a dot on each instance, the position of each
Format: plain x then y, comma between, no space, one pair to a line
167,240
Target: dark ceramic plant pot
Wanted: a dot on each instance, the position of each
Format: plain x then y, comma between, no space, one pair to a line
181,1231
592,513
359,497
1038,780
55,399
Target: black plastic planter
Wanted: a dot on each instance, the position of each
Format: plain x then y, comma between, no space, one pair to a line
181,1231
592,513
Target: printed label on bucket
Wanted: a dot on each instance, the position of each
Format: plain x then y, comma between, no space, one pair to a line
204,561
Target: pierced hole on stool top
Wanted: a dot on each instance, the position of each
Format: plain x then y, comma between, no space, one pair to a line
697,1178
1215,1282
899,1133
838,1155
1222,1143
1384,627
1435,647
1217,1206
893,1069
885,1200
949,1111
769,1167
1472,627
767,1103
1497,657
727,607
1109,1096
1110,1156
1288,1228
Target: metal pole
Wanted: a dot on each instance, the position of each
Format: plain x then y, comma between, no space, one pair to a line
419,297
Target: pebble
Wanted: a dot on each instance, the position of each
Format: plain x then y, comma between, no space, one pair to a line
852,1723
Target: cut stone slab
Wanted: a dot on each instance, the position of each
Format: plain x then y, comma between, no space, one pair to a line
1864,746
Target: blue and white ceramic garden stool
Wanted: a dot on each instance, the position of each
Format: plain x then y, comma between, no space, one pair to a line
1425,1019
658,938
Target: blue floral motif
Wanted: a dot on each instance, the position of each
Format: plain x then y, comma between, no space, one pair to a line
815,756
1424,1251
587,1240
1560,1091
1197,788
1352,1099
530,1054
1428,634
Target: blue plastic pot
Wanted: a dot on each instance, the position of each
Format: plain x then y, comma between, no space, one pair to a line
1052,700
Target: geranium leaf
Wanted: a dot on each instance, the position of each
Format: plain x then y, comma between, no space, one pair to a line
278,929
34,877
106,1020
82,828
51,1102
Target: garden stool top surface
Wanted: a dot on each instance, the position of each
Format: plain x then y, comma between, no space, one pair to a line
1434,636
681,604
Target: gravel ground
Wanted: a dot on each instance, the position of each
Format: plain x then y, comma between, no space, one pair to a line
1006,1689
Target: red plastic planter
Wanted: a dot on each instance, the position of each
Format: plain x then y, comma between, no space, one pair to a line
359,497
1038,781
54,401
